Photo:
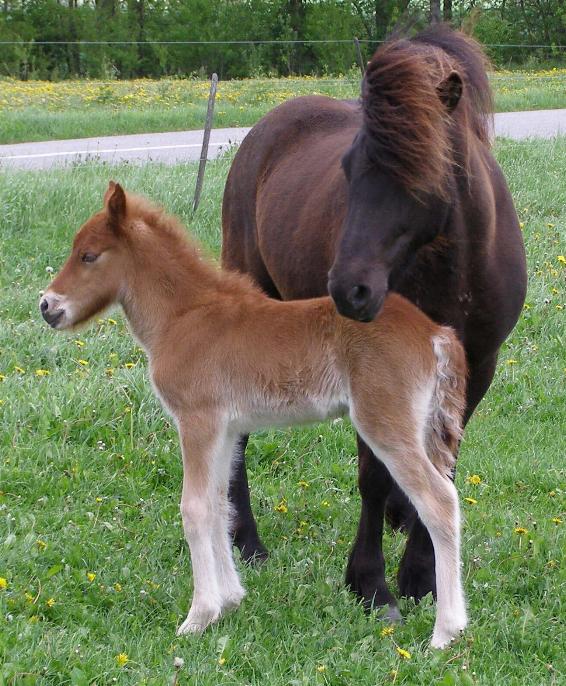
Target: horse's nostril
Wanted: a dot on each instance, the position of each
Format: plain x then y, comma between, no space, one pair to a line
359,296
44,305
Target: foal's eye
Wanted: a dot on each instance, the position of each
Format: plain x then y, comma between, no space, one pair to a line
88,257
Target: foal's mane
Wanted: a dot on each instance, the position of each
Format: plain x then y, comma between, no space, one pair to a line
178,253
410,131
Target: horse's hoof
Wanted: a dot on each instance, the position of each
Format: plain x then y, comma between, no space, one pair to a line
393,614
253,554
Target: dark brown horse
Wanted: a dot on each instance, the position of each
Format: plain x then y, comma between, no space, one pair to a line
397,192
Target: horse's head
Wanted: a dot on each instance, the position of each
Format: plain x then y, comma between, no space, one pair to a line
398,174
92,276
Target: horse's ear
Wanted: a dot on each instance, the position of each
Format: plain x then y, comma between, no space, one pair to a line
450,90
115,201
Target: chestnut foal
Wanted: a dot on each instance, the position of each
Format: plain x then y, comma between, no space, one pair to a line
225,360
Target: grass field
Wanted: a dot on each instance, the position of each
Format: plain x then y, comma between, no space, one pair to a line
94,572
39,110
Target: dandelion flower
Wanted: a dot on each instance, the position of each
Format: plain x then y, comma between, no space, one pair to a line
79,343
561,259
221,661
510,362
471,501
20,370
117,587
122,659
91,576
556,520
129,365
282,506
474,479
50,602
41,544
303,484
2,377
111,321
83,363
521,531
3,583
42,372
386,631
403,653
321,668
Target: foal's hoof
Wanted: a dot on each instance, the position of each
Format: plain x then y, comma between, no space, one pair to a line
197,620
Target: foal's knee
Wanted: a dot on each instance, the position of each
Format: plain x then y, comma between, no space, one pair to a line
194,512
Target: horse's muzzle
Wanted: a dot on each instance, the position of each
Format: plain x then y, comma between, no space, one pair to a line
356,302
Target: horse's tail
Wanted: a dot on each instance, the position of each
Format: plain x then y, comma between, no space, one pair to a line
474,64
448,401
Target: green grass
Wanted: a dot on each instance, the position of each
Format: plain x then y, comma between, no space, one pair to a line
90,480
35,111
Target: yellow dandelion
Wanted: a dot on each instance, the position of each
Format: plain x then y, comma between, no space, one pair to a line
79,343
282,506
510,362
98,499
550,225
551,564
20,370
50,602
2,377
3,583
303,484
91,576
321,668
129,365
221,661
117,587
553,493
561,259
29,597
42,372
122,659
386,631
41,544
474,479
556,520
109,371
111,321
325,503
471,501
83,363
405,654
521,531
34,619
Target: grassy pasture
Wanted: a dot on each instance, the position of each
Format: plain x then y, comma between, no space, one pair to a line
40,110
94,573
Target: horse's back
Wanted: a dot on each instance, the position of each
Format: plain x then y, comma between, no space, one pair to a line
286,172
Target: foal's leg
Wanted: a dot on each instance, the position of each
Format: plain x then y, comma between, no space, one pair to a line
416,576
436,501
244,528
365,574
204,478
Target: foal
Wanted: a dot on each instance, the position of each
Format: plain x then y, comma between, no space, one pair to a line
226,360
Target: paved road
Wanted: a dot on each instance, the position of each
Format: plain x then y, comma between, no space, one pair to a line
182,146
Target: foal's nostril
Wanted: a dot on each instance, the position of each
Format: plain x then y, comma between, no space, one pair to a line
359,295
44,306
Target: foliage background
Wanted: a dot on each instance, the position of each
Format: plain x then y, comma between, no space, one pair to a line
28,22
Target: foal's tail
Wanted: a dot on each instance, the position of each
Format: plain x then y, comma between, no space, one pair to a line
448,401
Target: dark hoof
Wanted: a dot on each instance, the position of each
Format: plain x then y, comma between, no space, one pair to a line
390,614
252,553
416,579
371,589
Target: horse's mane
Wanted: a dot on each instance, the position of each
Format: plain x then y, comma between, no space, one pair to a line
177,250
410,131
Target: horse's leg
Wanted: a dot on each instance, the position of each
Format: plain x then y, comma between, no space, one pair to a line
365,574
244,527
202,439
416,576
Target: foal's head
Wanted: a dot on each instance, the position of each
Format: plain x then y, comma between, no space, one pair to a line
93,275
398,171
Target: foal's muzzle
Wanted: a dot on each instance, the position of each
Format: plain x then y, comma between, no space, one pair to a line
50,311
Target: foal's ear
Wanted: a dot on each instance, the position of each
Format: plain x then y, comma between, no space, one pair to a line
115,201
450,90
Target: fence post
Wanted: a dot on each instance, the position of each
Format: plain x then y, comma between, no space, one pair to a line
205,140
359,55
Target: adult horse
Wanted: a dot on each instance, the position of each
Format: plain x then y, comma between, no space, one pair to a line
397,192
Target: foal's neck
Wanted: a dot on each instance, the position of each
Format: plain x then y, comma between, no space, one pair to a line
169,278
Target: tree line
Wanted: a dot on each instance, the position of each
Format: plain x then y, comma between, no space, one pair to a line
95,29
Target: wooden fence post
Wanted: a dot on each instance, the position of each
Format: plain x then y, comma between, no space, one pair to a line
205,140
359,55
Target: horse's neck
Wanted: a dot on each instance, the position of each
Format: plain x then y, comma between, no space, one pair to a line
162,287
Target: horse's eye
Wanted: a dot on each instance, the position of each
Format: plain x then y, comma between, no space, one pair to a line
88,257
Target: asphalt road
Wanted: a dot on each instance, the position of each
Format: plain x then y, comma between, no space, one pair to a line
183,146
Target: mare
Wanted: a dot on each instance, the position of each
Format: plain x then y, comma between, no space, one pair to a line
225,359
397,192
